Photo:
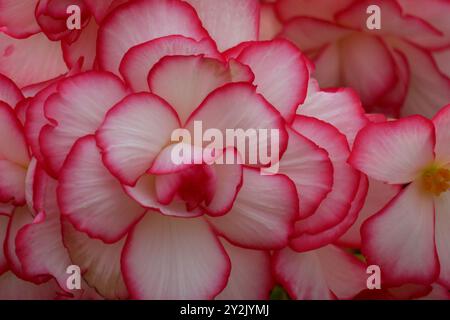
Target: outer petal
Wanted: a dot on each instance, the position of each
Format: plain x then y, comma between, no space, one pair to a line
263,212
341,108
395,151
229,22
281,74
17,17
250,277
140,21
76,110
378,195
442,126
31,60
139,60
326,273
310,168
335,207
41,251
173,258
185,81
306,241
133,134
92,198
99,262
400,238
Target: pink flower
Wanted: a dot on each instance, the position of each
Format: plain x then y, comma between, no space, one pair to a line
408,238
399,69
165,231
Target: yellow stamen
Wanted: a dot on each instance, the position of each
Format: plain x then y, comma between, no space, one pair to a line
436,180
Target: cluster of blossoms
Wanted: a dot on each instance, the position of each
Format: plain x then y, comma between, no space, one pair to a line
363,168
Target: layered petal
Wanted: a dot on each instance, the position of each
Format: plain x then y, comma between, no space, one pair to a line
139,60
91,198
310,168
229,22
390,238
250,277
77,109
133,134
173,258
378,195
140,21
395,151
263,212
337,204
194,77
281,74
99,262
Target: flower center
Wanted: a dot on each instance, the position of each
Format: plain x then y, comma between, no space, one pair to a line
436,180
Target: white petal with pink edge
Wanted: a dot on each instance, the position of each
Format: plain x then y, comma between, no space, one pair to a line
92,198
99,262
194,77
400,238
139,60
378,195
337,203
281,74
394,151
238,106
41,251
174,258
229,22
77,109
133,134
263,212
310,168
140,21
250,277
341,108
306,241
